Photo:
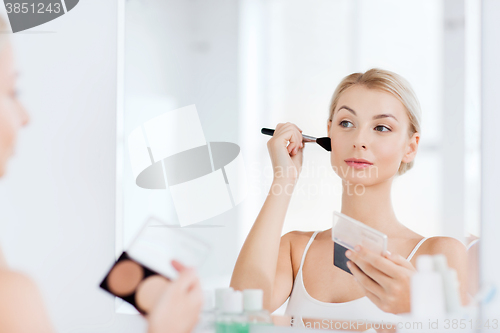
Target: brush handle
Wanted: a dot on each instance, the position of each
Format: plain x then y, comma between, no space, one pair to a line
270,132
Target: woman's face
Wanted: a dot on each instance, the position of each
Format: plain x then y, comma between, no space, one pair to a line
372,125
12,114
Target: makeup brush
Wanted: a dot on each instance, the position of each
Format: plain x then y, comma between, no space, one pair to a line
323,142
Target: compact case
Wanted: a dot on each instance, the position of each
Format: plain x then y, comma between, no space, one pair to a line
144,270
347,233
134,283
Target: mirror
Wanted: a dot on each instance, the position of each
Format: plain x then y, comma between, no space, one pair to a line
252,64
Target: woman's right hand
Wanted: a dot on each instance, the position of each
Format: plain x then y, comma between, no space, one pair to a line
286,160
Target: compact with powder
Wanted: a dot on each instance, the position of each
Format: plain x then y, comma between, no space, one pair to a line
135,283
347,233
141,273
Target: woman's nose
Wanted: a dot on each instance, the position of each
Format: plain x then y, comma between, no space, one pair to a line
360,140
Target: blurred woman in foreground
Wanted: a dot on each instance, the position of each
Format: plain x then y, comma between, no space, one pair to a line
21,306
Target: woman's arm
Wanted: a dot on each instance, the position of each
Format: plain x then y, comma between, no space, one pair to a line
264,261
21,305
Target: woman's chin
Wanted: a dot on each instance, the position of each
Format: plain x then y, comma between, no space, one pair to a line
361,182
354,181
356,175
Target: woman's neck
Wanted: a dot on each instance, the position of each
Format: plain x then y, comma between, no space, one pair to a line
371,205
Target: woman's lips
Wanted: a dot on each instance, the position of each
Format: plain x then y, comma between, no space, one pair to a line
357,165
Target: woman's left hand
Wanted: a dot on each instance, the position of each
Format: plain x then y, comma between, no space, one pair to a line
385,279
179,306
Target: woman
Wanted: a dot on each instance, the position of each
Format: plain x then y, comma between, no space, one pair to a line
374,118
21,305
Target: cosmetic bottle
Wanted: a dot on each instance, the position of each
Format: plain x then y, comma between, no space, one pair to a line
253,307
230,318
427,296
219,297
206,320
450,284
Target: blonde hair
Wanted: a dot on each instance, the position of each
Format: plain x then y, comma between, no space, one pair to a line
390,82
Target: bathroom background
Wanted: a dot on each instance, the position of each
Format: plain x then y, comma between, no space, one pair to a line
253,64
69,203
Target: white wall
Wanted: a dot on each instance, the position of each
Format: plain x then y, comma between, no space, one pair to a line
294,53
490,141
57,202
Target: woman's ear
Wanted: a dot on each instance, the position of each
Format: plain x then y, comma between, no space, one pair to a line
411,149
329,124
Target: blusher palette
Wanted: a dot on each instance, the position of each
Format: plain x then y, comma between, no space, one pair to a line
124,277
143,271
135,283
149,291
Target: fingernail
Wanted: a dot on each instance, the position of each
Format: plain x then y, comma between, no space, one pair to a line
388,253
349,264
357,248
348,253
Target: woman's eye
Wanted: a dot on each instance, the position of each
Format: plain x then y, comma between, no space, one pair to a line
344,122
381,126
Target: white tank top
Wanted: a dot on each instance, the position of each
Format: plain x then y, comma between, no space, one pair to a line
359,309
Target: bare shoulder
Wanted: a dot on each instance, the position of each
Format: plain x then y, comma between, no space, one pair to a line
444,245
16,288
454,250
456,257
15,281
297,236
21,304
297,241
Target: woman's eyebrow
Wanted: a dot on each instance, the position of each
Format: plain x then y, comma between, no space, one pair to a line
383,115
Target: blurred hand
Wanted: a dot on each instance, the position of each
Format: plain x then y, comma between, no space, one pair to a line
178,309
286,151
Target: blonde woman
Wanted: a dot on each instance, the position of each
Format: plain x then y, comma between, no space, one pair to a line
21,305
374,127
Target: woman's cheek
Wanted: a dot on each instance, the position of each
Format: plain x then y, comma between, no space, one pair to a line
388,158
337,155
